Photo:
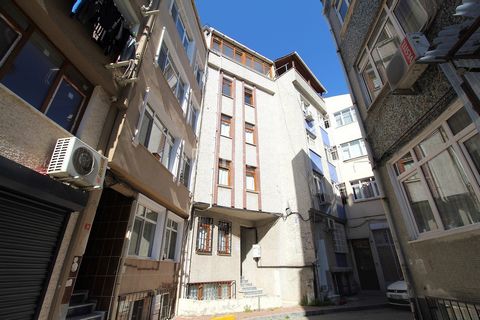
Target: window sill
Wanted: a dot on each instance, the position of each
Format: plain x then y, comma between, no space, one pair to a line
224,186
222,135
433,235
249,105
227,96
356,158
143,258
204,253
252,191
250,144
366,200
224,254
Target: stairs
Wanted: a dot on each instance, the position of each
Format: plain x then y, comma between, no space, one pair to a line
81,308
248,289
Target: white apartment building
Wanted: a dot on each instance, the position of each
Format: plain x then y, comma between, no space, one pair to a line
370,243
258,236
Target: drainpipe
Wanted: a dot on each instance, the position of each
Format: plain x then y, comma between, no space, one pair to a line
385,203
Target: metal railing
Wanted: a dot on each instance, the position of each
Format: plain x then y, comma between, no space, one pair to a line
212,290
449,309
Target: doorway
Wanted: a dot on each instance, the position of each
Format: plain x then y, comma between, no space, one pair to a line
365,265
248,237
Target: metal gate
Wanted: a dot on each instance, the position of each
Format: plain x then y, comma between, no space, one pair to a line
30,234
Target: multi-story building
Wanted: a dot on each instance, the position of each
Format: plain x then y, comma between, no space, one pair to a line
125,79
262,197
369,240
418,124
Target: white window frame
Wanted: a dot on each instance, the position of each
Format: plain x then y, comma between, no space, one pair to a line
349,144
340,115
472,175
14,44
337,4
181,175
187,41
370,181
178,243
158,238
366,56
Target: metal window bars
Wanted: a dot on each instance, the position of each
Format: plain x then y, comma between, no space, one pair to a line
212,290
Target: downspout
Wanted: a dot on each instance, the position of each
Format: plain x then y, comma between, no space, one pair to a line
385,203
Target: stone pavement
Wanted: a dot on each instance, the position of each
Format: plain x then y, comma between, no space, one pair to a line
364,301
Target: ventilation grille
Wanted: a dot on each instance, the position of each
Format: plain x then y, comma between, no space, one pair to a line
58,156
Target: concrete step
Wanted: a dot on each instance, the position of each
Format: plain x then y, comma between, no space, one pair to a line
246,288
80,309
97,315
79,296
249,292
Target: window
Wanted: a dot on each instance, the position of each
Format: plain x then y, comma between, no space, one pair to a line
353,149
192,116
172,238
143,232
365,189
343,192
326,122
156,138
185,170
249,133
38,73
248,96
334,153
199,76
318,180
226,126
170,71
224,172
396,19
210,290
227,87
345,117
251,178
161,307
339,238
341,6
438,176
204,235
224,238
182,32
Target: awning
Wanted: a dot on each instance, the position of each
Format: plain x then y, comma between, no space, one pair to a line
250,215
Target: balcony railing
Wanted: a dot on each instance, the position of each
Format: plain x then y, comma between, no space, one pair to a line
448,309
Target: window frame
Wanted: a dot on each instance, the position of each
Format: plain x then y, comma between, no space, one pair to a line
456,143
351,111
337,5
251,171
226,80
224,165
363,149
227,235
245,90
224,121
185,39
251,129
360,182
169,62
207,247
178,244
26,34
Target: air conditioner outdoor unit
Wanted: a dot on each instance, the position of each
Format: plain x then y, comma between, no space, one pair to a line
330,224
75,162
403,70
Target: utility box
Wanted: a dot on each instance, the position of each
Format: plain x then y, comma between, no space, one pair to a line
256,251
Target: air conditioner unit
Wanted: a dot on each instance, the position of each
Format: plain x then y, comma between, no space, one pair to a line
256,251
403,70
75,162
330,224
308,115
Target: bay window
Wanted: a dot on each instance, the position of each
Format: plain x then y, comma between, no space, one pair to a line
439,176
365,189
396,19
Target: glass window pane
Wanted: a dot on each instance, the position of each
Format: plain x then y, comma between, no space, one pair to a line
227,50
456,202
227,87
162,58
238,55
248,97
258,65
155,137
431,144
146,126
216,45
250,182
338,119
459,121
372,81
33,71
249,136
8,37
355,149
417,195
65,105
342,10
404,164
385,47
411,15
135,236
347,117
223,176
225,129
473,148
146,243
173,245
152,215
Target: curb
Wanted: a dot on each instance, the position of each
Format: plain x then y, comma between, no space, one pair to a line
318,312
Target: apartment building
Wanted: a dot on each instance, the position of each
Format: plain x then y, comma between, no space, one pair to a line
87,85
409,65
258,217
369,239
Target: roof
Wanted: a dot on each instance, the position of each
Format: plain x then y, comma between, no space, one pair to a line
293,60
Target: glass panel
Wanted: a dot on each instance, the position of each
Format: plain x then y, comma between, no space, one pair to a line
227,87
343,9
144,134
225,129
473,148
258,65
459,121
162,58
248,97
34,70
65,105
385,47
227,50
404,164
372,81
8,37
411,15
155,138
428,146
417,196
216,45
173,245
347,117
456,202
180,29
250,182
151,215
238,56
146,243
338,119
223,176
355,149
134,237
249,136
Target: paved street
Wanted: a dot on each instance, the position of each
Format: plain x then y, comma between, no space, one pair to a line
377,314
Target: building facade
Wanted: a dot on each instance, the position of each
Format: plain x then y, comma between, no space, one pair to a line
369,239
258,227
125,79
418,125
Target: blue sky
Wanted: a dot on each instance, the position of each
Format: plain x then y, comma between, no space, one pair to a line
277,27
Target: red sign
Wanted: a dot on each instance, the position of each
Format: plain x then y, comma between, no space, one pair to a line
407,51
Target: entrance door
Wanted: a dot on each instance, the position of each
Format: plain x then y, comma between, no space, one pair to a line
365,265
387,255
248,237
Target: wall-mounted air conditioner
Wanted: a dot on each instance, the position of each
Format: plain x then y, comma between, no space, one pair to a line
75,162
403,70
